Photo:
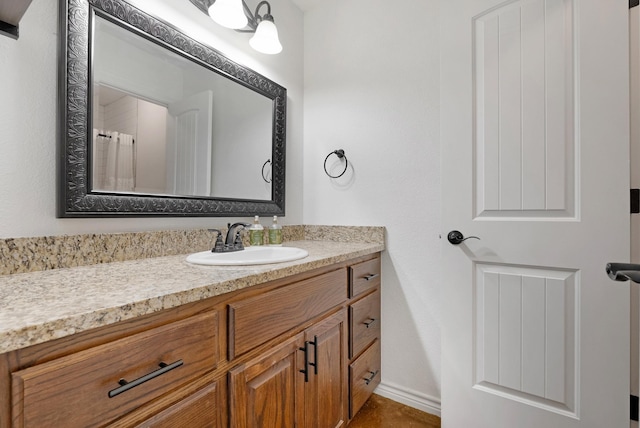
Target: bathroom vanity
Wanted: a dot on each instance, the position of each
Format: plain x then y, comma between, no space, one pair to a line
160,342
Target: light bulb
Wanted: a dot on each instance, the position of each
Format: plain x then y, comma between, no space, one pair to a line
228,13
265,39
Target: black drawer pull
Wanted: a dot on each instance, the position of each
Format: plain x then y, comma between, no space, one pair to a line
368,380
370,276
370,322
125,386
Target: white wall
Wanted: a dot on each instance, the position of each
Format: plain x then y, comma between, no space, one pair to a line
371,88
28,116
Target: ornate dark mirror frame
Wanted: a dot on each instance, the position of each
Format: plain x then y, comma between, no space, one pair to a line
75,198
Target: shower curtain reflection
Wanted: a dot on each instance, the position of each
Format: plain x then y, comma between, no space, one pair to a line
114,161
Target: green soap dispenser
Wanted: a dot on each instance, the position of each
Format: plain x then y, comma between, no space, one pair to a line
275,233
256,232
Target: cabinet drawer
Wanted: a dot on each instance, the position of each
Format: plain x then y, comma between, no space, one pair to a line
364,376
258,319
199,410
75,390
364,323
364,276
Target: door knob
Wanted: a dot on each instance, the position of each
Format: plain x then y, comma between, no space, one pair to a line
456,237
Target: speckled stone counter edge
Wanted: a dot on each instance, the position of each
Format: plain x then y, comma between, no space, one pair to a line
20,255
40,306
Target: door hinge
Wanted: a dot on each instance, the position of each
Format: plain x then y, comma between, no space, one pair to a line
635,201
634,407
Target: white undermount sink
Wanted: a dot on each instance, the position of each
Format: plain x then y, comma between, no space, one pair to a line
249,256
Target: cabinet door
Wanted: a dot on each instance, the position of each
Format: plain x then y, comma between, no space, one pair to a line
326,390
264,392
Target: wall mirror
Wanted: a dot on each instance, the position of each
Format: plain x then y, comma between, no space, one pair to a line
152,122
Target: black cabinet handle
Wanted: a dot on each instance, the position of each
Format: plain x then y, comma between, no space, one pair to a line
125,386
315,354
306,361
372,375
370,322
370,276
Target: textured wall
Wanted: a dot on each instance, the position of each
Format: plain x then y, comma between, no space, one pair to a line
371,88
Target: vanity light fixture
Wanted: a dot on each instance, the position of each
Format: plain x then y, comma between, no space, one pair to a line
235,14
228,13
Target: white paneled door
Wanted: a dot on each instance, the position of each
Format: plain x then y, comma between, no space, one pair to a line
190,132
535,153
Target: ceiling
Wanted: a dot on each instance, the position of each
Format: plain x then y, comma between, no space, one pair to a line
306,5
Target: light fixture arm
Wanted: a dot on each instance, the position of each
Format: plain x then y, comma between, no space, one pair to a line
255,18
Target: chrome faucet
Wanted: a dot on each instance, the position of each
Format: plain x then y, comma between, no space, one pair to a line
233,241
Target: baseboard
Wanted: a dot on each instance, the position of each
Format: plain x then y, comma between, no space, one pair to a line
414,399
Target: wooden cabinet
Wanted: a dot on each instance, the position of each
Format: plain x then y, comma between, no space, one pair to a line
364,276
263,391
365,322
326,390
257,319
105,382
304,381
298,351
364,376
364,332
301,382
198,410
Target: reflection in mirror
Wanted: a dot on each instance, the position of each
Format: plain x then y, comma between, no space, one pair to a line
152,122
163,125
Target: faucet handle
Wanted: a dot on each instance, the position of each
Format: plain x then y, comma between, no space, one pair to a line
237,242
219,245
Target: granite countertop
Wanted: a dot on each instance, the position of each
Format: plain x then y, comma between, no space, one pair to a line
40,306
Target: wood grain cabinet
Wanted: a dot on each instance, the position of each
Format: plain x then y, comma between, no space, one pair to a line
326,390
302,351
301,382
103,383
263,391
364,332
